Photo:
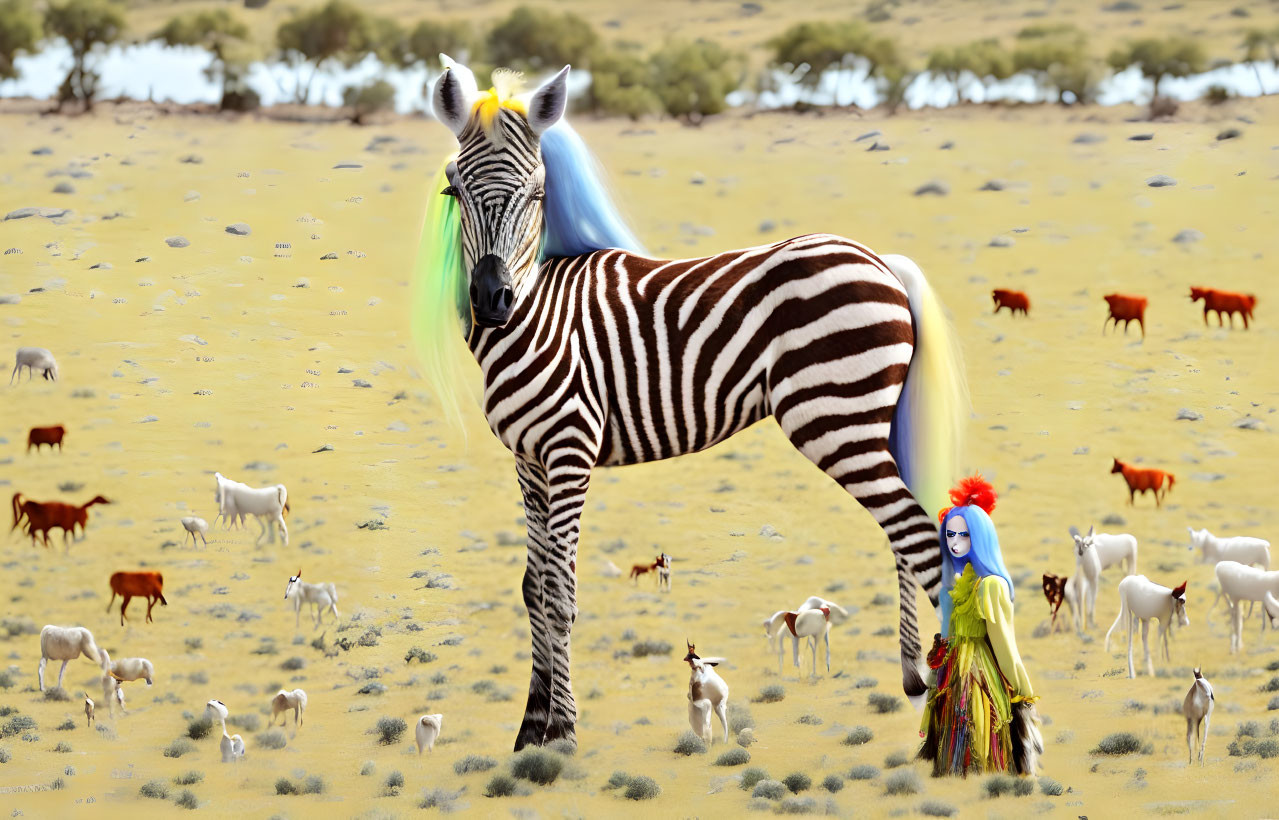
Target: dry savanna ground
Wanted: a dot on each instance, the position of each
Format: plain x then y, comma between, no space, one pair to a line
246,354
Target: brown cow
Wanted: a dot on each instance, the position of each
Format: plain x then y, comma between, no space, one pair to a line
46,435
147,584
44,516
1014,300
1225,301
1141,479
1126,309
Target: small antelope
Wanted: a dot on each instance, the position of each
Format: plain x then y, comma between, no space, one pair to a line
427,730
1143,480
324,597
231,746
1197,708
88,709
1143,599
662,561
1240,548
707,692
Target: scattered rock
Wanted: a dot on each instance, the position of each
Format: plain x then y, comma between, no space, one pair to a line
345,370
1161,181
238,228
350,165
328,256
148,419
878,146
1188,236
946,146
1081,451
192,159
177,242
1001,242
64,188
191,196
259,466
1186,414
1113,520
869,135
767,225
47,213
1088,139
1229,134
936,187
327,448
993,185
360,383
193,339
100,266
1141,137
42,151
767,531
143,259
1249,423
698,178
9,298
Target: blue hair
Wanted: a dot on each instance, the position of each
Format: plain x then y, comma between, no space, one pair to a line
580,215
985,556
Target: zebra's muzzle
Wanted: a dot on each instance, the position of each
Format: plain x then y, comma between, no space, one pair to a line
492,297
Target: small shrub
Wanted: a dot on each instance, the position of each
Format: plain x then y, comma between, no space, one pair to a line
189,779
285,786
5,757
752,776
188,800
733,757
368,768
537,765
769,790
739,718
272,739
390,729
896,760
1271,686
313,785
293,664
394,782
689,744
420,655
248,721
560,745
67,725
1119,743
642,788
1002,784
438,799
809,720
1050,787
474,763
797,805
884,704
62,747
858,736
617,780
832,783
934,808
155,789
643,649
58,784
179,747
1249,728
60,695
797,782
194,644
772,693
501,785
199,729
863,772
904,781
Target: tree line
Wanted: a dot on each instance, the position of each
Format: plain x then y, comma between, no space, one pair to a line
684,79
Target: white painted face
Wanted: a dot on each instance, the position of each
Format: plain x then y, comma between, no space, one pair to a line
958,540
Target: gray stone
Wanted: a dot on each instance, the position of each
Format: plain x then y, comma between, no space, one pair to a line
347,165
878,146
327,448
47,213
42,151
328,256
869,135
936,187
238,228
143,259
9,298
191,196
192,159
1161,181
1188,236
1249,423
1229,134
1186,414
767,225
360,383
64,188
101,266
993,185
767,531
1088,139
1141,137
1001,242
946,146
1113,520
177,242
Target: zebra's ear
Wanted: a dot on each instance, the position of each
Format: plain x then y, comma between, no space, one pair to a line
451,98
547,103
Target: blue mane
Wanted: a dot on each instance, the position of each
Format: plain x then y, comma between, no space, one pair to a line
580,215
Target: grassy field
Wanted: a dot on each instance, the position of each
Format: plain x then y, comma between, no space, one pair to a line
241,354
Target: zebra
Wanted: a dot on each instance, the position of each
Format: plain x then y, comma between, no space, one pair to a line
595,355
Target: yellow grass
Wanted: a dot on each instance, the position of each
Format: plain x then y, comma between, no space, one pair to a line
1043,387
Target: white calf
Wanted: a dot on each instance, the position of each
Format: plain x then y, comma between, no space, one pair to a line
1198,709
268,504
66,643
283,702
1239,583
707,692
195,526
427,730
1244,550
33,359
321,596
1143,599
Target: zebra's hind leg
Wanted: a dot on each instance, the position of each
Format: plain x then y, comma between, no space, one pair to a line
537,711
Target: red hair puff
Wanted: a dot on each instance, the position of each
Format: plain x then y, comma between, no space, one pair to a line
973,491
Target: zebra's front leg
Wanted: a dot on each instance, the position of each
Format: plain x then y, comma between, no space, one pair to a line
537,710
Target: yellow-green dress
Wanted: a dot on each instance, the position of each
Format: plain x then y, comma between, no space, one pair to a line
967,725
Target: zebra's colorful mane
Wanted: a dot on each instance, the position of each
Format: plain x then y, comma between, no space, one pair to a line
581,218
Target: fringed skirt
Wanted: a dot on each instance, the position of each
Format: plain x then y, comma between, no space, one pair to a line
967,725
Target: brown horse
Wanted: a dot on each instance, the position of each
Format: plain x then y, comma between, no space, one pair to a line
1141,479
145,584
44,516
1224,301
1125,309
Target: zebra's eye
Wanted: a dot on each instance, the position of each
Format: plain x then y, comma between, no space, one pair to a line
449,191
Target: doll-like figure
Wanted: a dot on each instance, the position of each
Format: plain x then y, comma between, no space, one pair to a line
980,715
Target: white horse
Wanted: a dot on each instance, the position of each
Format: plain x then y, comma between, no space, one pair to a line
1143,599
807,623
1240,548
1197,708
427,730
231,746
33,359
1238,583
1118,550
707,692
324,597
66,643
195,526
268,504
284,701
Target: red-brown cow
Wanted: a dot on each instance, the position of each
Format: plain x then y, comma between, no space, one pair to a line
1126,309
44,516
146,584
1141,479
1225,301
46,435
1014,300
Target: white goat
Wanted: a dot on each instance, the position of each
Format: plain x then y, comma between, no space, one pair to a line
88,709
195,526
66,643
284,701
33,359
129,669
427,730
268,504
232,746
321,596
1239,548
1198,709
707,692
808,623
1143,599
1238,583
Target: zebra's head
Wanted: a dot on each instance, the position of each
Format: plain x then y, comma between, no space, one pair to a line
498,179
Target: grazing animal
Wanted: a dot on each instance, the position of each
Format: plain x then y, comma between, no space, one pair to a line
1197,707
1239,583
808,623
1014,300
42,516
126,670
143,584
46,435
427,730
195,526
66,643
1087,579
594,355
1125,309
34,359
643,569
707,693
1118,550
1142,479
1271,605
1240,548
88,710
1143,599
1059,589
231,746
268,504
1227,302
774,623
321,596
284,701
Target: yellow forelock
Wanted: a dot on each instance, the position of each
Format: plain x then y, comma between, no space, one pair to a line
490,103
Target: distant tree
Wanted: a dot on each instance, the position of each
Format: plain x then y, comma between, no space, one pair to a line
363,100
807,51
1173,57
1057,57
224,36
982,59
337,31
621,84
19,33
693,80
85,25
1258,46
541,40
429,39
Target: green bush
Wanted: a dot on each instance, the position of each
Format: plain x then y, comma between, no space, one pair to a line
541,40
884,704
285,786
365,100
1050,787
272,739
19,34
537,765
189,779
690,744
896,760
692,80
501,785
1119,743
85,25
934,808
179,747
617,780
643,649
772,693
1002,784
865,771
474,763
155,789
752,776
858,736
733,757
390,729
641,787
903,781
769,790
420,655
739,718
199,728
797,782
313,785
621,85
188,800
394,782
832,783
